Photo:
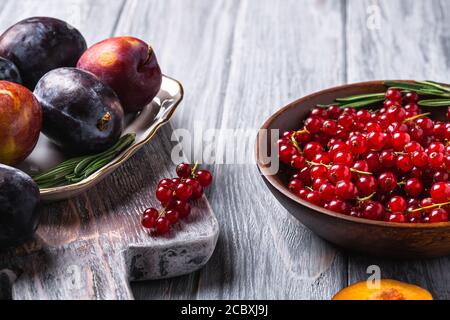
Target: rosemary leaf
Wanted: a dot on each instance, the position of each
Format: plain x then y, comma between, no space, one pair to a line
405,85
435,85
435,103
362,103
361,97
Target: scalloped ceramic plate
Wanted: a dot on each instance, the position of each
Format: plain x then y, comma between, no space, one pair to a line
145,124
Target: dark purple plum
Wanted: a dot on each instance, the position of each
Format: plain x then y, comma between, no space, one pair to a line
40,44
19,207
9,71
80,113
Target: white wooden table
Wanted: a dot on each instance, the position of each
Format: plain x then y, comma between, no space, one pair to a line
239,62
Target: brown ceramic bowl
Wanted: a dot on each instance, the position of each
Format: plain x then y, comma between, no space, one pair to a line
360,235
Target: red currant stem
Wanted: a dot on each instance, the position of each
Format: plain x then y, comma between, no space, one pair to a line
295,143
401,183
366,198
436,205
304,130
360,172
400,153
417,117
312,163
328,166
162,213
194,169
309,188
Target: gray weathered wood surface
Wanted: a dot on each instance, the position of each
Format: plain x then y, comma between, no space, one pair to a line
239,62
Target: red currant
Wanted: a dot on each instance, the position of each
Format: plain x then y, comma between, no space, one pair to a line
419,158
404,163
346,190
298,161
163,225
339,172
173,216
357,144
313,124
314,198
346,121
322,158
436,159
373,211
425,123
166,183
413,146
344,158
373,160
387,159
366,185
387,182
376,140
441,176
399,140
318,172
183,191
393,95
205,178
435,147
397,218
411,97
397,204
319,112
317,183
329,127
286,151
438,215
150,217
164,194
440,192
326,192
197,189
183,208
339,206
184,170
311,149
413,187
334,112
295,185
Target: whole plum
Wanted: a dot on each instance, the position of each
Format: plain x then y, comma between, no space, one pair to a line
40,44
20,122
9,71
129,66
19,207
81,114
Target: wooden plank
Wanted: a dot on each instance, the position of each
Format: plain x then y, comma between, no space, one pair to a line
241,61
412,42
89,247
96,20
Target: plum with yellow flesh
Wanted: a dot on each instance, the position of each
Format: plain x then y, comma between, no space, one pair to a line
388,290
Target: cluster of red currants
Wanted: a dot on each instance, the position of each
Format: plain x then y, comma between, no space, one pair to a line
391,164
174,196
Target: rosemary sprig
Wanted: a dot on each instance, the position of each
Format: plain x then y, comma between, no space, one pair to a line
423,88
77,169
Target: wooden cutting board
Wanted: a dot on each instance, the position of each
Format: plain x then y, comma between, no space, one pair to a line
92,246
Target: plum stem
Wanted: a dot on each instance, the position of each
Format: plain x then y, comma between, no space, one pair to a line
102,124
